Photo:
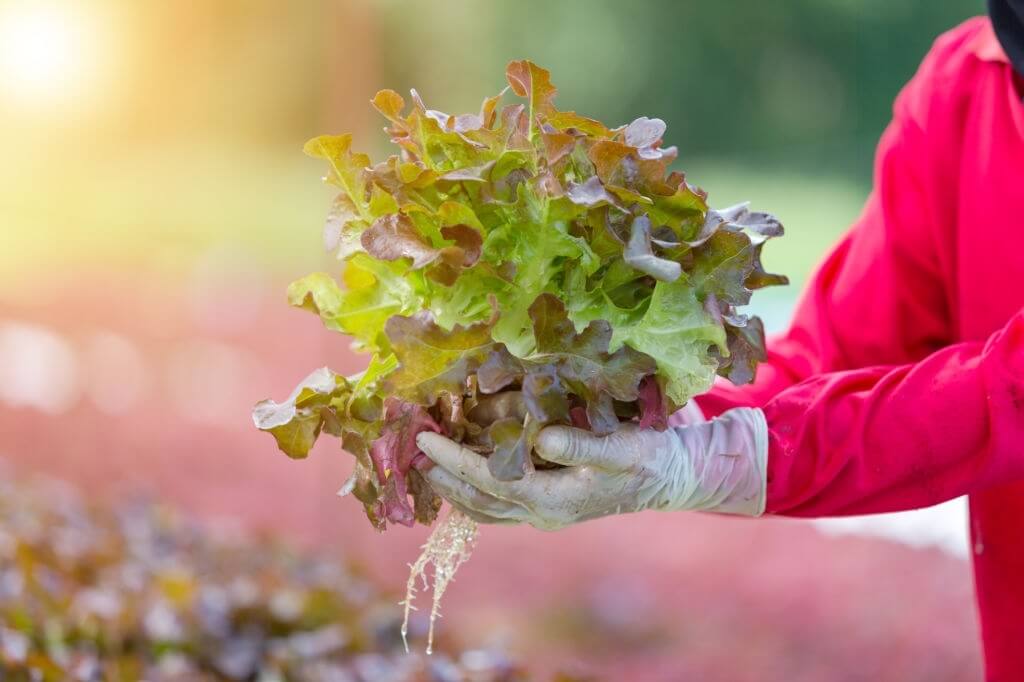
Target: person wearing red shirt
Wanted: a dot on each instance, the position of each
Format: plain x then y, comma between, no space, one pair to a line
900,382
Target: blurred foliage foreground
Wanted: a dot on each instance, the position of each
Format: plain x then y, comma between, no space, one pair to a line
138,593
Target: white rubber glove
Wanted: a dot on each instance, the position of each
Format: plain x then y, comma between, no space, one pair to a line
716,466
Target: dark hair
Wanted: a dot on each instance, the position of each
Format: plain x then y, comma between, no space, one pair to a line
1008,22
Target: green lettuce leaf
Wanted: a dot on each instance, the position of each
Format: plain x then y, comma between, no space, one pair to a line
677,332
431,360
296,422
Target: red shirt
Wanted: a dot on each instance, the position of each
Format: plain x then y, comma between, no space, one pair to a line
900,383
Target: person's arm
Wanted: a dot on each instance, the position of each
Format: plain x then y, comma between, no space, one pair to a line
895,438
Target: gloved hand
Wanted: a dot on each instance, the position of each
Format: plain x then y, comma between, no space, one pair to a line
717,466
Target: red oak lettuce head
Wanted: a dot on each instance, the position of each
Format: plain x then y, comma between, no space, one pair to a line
516,248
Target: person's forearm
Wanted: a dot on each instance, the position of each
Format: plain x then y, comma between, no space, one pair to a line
895,438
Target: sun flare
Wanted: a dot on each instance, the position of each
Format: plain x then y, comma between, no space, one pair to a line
47,51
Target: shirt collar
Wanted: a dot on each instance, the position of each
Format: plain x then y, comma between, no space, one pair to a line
985,45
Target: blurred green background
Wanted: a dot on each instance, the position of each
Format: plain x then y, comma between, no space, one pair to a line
143,135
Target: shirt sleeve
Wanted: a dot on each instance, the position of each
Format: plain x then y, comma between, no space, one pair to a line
893,438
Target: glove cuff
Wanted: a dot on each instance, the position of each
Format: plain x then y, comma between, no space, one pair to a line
723,465
750,473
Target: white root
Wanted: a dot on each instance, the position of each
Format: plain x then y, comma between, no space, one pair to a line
447,548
